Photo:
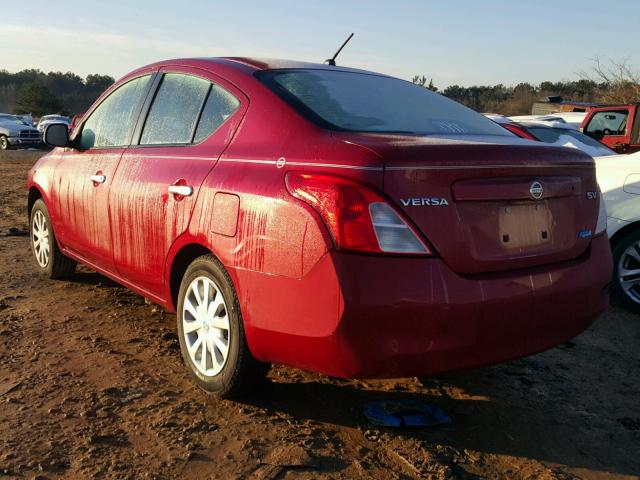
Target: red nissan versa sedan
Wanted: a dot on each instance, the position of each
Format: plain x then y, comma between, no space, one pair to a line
322,217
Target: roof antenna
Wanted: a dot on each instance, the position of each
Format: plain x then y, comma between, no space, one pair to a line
332,61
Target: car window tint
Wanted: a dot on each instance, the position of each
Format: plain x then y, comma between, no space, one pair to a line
608,123
220,106
175,110
111,123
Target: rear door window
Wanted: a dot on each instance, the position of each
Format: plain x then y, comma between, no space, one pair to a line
111,123
220,106
175,110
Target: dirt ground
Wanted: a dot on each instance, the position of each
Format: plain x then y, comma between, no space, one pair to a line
92,386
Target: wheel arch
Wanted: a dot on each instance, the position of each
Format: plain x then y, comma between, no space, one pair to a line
179,263
34,194
623,232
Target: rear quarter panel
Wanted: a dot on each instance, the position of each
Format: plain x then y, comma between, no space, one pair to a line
275,253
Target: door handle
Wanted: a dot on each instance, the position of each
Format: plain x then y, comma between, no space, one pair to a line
181,190
98,178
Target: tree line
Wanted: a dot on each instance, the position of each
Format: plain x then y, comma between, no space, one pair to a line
608,81
38,93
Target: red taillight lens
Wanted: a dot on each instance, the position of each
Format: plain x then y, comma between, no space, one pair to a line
357,217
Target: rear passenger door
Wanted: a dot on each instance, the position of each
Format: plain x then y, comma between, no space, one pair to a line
188,124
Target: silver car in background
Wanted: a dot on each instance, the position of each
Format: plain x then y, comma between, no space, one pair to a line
49,119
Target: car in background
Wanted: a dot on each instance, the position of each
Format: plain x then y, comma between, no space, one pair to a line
619,180
556,104
327,218
617,126
27,118
17,133
567,119
49,119
554,133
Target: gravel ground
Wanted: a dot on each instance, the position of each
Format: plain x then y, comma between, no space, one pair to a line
92,385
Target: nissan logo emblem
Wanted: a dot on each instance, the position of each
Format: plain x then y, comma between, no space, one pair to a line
536,190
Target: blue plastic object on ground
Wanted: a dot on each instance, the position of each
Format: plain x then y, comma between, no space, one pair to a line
405,413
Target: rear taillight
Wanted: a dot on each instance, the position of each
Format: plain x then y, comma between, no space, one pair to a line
358,218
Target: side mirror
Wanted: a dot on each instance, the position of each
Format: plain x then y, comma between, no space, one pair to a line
56,135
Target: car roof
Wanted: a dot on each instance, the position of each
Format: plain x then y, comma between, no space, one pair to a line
254,64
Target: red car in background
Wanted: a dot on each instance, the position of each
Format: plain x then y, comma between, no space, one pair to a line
322,217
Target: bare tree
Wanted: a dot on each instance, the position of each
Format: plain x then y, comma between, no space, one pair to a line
619,82
422,82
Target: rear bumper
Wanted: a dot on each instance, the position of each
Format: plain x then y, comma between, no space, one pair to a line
363,316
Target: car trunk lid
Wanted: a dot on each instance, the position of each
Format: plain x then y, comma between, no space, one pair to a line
489,207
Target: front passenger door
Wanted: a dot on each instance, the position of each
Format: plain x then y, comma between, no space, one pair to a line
85,173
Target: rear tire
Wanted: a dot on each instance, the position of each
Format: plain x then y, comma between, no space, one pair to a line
49,259
626,259
211,332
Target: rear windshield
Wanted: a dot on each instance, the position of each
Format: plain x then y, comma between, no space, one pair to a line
565,137
374,103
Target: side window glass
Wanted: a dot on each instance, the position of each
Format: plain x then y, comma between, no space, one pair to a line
608,123
175,110
220,106
112,122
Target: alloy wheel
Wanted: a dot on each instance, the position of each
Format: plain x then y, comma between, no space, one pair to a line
40,238
629,271
205,326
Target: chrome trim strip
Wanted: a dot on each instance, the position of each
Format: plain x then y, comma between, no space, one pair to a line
300,164
169,157
333,165
246,160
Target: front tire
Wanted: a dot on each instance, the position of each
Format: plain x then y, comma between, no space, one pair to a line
4,143
211,332
49,259
626,271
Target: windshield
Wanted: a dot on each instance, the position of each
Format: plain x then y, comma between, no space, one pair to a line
570,138
11,119
373,103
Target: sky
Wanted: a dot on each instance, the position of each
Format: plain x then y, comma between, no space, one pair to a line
460,42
